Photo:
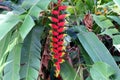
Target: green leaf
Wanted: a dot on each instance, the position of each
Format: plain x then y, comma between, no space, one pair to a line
67,72
115,18
43,4
117,58
26,26
117,2
7,22
88,78
35,11
97,51
11,71
110,32
2,66
36,6
55,1
117,46
102,21
30,56
101,71
29,3
4,44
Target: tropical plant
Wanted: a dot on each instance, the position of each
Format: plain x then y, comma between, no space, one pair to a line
59,39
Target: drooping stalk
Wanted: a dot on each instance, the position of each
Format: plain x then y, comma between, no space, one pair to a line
57,34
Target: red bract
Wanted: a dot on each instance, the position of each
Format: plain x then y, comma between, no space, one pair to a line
62,16
61,24
56,56
62,8
53,19
55,39
61,48
61,53
55,33
54,45
55,12
61,36
61,43
60,30
55,51
54,26
60,60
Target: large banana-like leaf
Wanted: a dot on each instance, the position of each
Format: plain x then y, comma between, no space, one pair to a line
4,44
36,6
2,67
97,51
7,22
30,56
11,71
115,18
102,22
35,9
26,26
105,24
9,42
40,6
68,73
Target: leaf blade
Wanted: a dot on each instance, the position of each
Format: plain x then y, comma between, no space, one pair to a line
7,22
11,71
30,59
26,26
97,51
67,72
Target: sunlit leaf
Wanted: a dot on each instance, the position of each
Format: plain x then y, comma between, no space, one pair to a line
26,26
7,22
2,66
11,71
117,2
102,21
115,18
101,71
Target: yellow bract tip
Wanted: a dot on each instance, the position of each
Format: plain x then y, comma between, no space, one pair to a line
65,34
50,31
63,53
64,48
57,72
50,24
68,7
67,15
66,22
63,60
49,18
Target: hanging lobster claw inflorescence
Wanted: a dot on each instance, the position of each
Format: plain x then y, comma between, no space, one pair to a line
57,34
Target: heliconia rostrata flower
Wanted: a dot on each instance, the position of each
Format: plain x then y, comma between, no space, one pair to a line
57,34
